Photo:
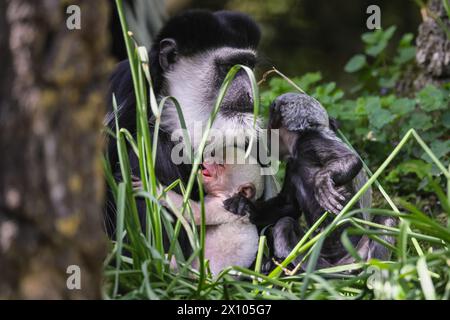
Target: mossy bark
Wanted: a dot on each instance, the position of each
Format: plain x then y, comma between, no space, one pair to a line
433,52
433,46
52,100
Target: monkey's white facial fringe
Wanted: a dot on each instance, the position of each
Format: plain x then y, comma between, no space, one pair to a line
190,82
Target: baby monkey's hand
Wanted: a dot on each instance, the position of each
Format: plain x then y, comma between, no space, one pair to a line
240,205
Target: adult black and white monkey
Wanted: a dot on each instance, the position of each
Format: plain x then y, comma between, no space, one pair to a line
189,60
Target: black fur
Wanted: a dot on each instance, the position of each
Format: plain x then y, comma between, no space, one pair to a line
199,30
196,31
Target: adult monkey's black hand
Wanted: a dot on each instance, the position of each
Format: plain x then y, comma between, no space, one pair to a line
240,205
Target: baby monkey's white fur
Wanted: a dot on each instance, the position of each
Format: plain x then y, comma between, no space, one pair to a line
231,240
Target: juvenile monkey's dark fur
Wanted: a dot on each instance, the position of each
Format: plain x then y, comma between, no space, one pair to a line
320,168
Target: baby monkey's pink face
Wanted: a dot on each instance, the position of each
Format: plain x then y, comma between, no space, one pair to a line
214,177
223,179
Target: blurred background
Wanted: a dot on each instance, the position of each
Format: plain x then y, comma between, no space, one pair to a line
298,36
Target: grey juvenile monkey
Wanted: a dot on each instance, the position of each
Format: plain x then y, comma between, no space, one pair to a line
322,174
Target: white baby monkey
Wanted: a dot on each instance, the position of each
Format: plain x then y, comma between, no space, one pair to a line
231,240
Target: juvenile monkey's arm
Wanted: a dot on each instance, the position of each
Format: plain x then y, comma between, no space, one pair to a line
339,166
282,205
341,163
215,213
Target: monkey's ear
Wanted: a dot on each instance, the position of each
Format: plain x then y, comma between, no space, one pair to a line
167,53
248,190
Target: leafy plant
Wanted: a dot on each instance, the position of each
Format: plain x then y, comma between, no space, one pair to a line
376,70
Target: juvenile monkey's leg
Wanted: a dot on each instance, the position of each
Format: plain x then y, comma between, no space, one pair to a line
286,235
377,250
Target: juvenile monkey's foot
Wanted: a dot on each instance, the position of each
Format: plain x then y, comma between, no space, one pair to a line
267,266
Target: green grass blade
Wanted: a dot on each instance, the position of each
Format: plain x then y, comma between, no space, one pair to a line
119,232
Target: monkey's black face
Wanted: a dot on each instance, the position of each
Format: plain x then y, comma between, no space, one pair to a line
239,97
195,82
210,69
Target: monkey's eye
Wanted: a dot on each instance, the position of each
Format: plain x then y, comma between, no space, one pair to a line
225,67
249,63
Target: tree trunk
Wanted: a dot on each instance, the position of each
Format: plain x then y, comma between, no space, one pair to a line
433,46
52,86
432,52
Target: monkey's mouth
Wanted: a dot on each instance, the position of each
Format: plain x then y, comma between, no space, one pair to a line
236,109
211,170
205,171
